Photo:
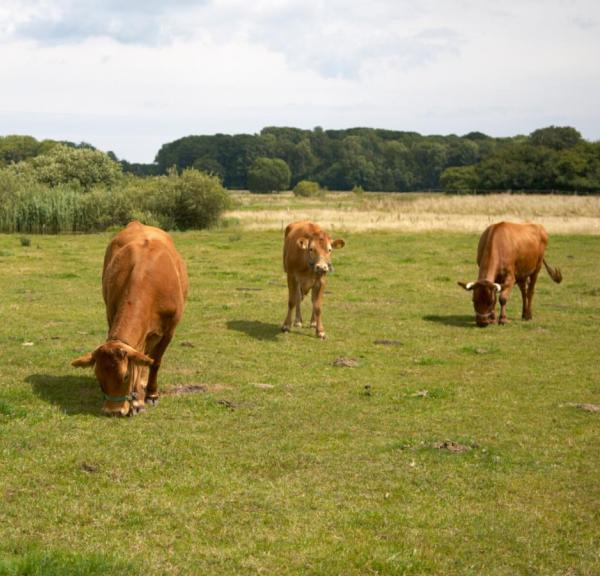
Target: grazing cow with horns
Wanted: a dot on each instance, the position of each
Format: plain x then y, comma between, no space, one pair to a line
144,285
508,253
307,259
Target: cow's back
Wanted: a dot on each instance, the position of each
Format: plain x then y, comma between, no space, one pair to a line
142,264
512,245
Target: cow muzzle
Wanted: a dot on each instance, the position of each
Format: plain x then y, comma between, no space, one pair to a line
122,405
118,409
483,320
322,267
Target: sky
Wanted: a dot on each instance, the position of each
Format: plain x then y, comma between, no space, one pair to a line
129,76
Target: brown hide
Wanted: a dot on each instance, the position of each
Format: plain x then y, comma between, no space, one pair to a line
508,254
307,260
144,285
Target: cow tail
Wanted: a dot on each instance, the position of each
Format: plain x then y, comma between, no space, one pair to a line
555,273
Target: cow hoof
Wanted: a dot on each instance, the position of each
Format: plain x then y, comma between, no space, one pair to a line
321,335
502,321
285,328
313,324
298,324
152,400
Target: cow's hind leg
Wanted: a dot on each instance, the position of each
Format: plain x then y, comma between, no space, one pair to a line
527,315
523,287
156,355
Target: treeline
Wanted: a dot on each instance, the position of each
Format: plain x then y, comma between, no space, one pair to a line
549,159
52,187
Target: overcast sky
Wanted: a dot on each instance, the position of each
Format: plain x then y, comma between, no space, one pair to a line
129,76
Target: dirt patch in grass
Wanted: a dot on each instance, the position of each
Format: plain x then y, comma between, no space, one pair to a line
586,407
195,389
345,362
454,447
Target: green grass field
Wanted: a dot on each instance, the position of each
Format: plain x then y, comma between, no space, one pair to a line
447,450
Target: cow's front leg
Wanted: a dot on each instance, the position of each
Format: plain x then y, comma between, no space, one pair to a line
157,354
317,305
299,296
292,296
504,294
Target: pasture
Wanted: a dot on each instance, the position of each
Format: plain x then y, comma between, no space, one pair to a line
444,448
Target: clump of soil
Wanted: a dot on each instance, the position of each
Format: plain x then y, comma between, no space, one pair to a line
386,342
187,389
587,407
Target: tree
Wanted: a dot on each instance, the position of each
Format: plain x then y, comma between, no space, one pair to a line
556,137
63,164
268,175
459,179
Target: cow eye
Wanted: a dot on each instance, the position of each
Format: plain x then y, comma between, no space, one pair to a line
126,377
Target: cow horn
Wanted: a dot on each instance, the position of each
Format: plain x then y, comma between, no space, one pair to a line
498,287
469,285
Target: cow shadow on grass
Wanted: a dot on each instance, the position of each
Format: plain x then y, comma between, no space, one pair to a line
256,329
74,394
458,320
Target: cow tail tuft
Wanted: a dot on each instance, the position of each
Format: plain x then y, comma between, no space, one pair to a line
554,273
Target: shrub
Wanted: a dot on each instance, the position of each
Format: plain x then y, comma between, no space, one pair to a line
308,189
201,199
358,191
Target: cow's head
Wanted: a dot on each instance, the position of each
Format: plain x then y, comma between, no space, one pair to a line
114,364
484,300
318,251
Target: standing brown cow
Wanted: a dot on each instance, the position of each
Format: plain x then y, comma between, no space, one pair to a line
144,285
508,253
307,259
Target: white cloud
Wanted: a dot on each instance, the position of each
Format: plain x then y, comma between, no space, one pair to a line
130,76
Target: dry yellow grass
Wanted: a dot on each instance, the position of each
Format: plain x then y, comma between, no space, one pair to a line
420,212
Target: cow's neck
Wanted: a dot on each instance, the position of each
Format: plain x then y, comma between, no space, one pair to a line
489,268
130,325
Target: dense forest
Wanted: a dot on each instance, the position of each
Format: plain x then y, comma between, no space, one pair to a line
549,159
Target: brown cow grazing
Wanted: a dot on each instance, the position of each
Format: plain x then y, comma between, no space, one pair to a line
508,253
144,285
307,259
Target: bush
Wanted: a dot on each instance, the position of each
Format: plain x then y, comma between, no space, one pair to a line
200,200
308,189
358,191
269,175
190,200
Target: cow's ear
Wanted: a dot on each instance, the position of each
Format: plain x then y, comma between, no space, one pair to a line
467,286
302,243
139,358
339,243
84,361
